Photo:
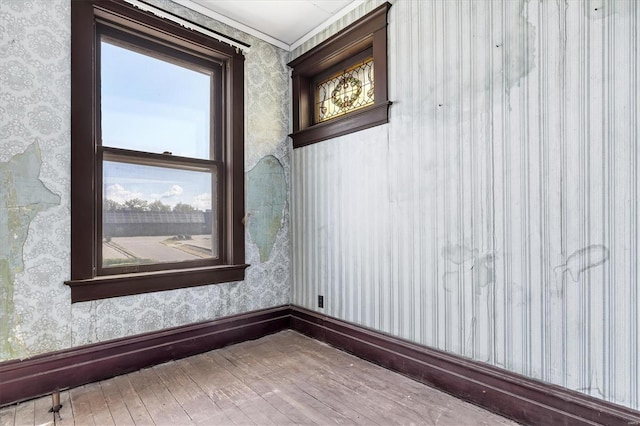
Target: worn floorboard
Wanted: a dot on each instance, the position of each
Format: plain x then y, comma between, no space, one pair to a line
24,413
285,378
7,415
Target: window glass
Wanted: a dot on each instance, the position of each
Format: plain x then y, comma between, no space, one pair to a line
157,148
153,105
345,91
154,214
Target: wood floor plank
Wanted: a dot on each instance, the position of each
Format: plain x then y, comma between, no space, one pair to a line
399,401
81,406
170,404
277,409
117,406
372,384
99,408
160,404
143,389
368,399
239,394
65,415
256,376
195,402
412,395
135,406
340,396
309,406
434,405
292,378
330,370
300,404
327,392
8,415
25,413
210,378
42,416
281,379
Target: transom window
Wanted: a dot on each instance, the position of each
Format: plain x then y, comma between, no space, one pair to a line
340,86
157,154
345,91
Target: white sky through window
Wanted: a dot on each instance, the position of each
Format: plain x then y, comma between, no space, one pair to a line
153,105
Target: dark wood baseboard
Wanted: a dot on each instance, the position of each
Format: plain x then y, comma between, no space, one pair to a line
29,378
520,398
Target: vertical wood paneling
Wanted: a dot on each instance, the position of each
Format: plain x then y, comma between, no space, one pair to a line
634,231
496,215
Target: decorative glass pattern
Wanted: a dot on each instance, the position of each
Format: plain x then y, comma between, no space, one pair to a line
346,91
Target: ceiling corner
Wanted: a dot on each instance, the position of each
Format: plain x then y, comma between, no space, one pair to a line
233,23
284,24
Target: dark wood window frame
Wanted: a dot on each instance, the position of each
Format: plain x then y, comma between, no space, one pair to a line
368,32
87,19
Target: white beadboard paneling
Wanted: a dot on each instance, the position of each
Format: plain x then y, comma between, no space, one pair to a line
496,215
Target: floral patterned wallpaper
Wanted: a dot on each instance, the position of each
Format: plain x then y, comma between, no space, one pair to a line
35,108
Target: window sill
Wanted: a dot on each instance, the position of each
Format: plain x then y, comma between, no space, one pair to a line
103,287
352,122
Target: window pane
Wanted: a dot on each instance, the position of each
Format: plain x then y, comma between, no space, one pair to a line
153,105
346,91
157,215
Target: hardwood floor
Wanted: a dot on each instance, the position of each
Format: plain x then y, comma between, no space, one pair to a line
285,378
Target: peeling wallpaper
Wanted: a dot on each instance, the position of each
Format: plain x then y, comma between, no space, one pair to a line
266,200
35,111
496,215
23,196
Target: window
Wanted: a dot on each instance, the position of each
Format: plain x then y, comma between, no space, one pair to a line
348,90
157,155
340,86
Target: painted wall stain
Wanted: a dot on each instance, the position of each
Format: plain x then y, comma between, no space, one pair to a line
458,254
513,55
468,259
519,61
600,9
266,199
466,270
22,196
583,259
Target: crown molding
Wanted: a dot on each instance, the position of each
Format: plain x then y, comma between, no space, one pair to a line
265,37
336,17
142,5
233,23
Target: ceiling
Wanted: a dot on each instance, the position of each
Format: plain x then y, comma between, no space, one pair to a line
285,23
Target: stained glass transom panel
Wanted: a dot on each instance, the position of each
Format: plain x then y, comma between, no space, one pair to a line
345,91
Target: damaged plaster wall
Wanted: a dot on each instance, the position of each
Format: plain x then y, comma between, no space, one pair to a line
266,200
35,111
34,136
23,196
496,215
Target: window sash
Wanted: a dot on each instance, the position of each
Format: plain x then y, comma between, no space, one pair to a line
90,19
176,55
190,60
215,168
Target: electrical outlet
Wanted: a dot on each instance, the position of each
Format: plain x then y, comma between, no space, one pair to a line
320,301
